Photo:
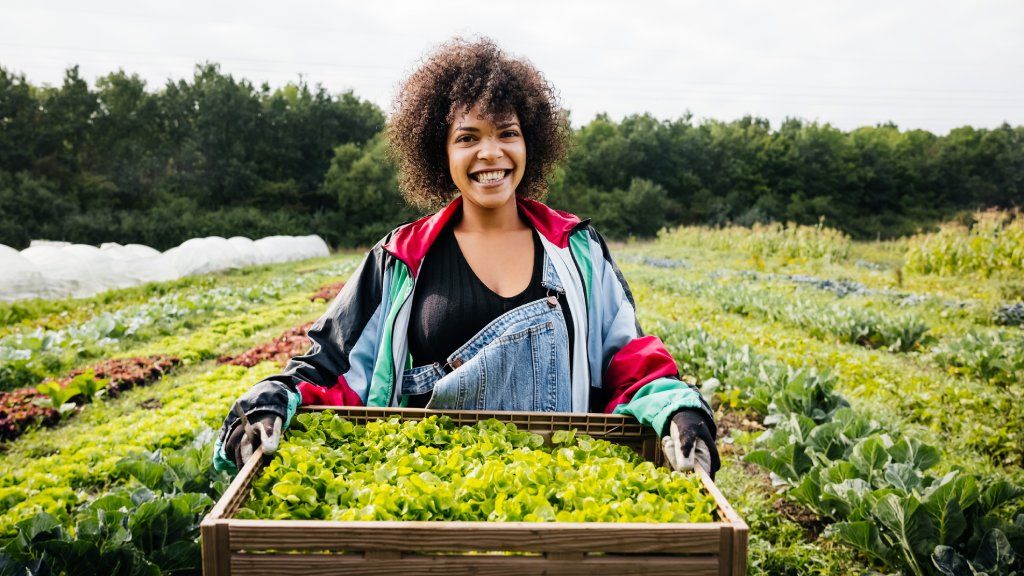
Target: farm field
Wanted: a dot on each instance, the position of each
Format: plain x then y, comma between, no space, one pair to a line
869,399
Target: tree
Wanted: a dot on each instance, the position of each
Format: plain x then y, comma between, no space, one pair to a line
365,182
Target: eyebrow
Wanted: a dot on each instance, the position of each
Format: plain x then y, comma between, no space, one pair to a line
472,129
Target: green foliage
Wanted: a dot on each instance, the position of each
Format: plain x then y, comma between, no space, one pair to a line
1010,314
994,356
88,454
878,490
85,387
186,469
872,481
213,154
885,502
365,182
27,356
210,155
149,530
764,241
870,182
747,380
995,557
779,546
844,322
991,245
640,210
330,468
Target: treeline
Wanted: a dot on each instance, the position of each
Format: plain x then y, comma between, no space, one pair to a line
635,176
218,156
206,156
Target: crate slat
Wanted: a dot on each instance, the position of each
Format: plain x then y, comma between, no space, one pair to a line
739,548
353,565
216,551
426,536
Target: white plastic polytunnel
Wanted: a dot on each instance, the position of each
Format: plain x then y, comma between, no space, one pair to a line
48,269
247,250
287,248
68,273
202,255
21,278
138,264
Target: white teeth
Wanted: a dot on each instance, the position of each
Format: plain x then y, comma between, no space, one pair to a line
490,176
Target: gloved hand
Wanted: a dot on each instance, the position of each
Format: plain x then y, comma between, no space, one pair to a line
689,443
264,430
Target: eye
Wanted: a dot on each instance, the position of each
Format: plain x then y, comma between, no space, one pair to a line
510,134
464,138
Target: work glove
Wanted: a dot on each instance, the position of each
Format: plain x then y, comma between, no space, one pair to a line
689,443
263,430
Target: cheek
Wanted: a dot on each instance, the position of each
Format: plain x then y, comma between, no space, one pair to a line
453,165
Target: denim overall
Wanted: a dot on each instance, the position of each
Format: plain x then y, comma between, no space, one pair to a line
518,362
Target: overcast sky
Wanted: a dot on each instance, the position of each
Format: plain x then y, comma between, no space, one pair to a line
921,64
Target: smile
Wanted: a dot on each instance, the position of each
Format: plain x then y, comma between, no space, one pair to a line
490,176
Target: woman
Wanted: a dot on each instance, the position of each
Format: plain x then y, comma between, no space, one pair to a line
495,302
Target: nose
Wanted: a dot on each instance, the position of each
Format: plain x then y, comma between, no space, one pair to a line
490,149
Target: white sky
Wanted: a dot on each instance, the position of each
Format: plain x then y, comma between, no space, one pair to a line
922,64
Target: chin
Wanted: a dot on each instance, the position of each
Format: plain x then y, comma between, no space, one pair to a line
489,200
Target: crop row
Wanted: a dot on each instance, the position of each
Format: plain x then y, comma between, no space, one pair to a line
1003,314
843,287
51,518
994,356
846,467
147,526
55,473
327,292
224,334
838,321
991,356
991,245
983,425
789,242
178,486
27,358
292,342
21,409
55,400
20,315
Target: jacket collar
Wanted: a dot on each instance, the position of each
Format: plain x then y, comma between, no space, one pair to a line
411,242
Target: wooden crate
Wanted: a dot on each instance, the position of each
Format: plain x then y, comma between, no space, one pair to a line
324,548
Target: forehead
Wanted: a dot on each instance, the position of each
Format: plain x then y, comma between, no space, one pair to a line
477,115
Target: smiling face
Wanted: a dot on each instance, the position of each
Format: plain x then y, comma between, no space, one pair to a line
486,159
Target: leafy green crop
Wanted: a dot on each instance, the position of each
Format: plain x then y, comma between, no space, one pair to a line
145,530
995,356
27,356
885,502
87,454
330,468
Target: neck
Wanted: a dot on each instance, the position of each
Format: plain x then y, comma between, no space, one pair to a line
476,218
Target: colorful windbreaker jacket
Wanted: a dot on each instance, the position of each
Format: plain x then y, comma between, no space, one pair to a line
360,345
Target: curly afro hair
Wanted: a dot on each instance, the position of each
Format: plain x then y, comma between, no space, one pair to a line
456,76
